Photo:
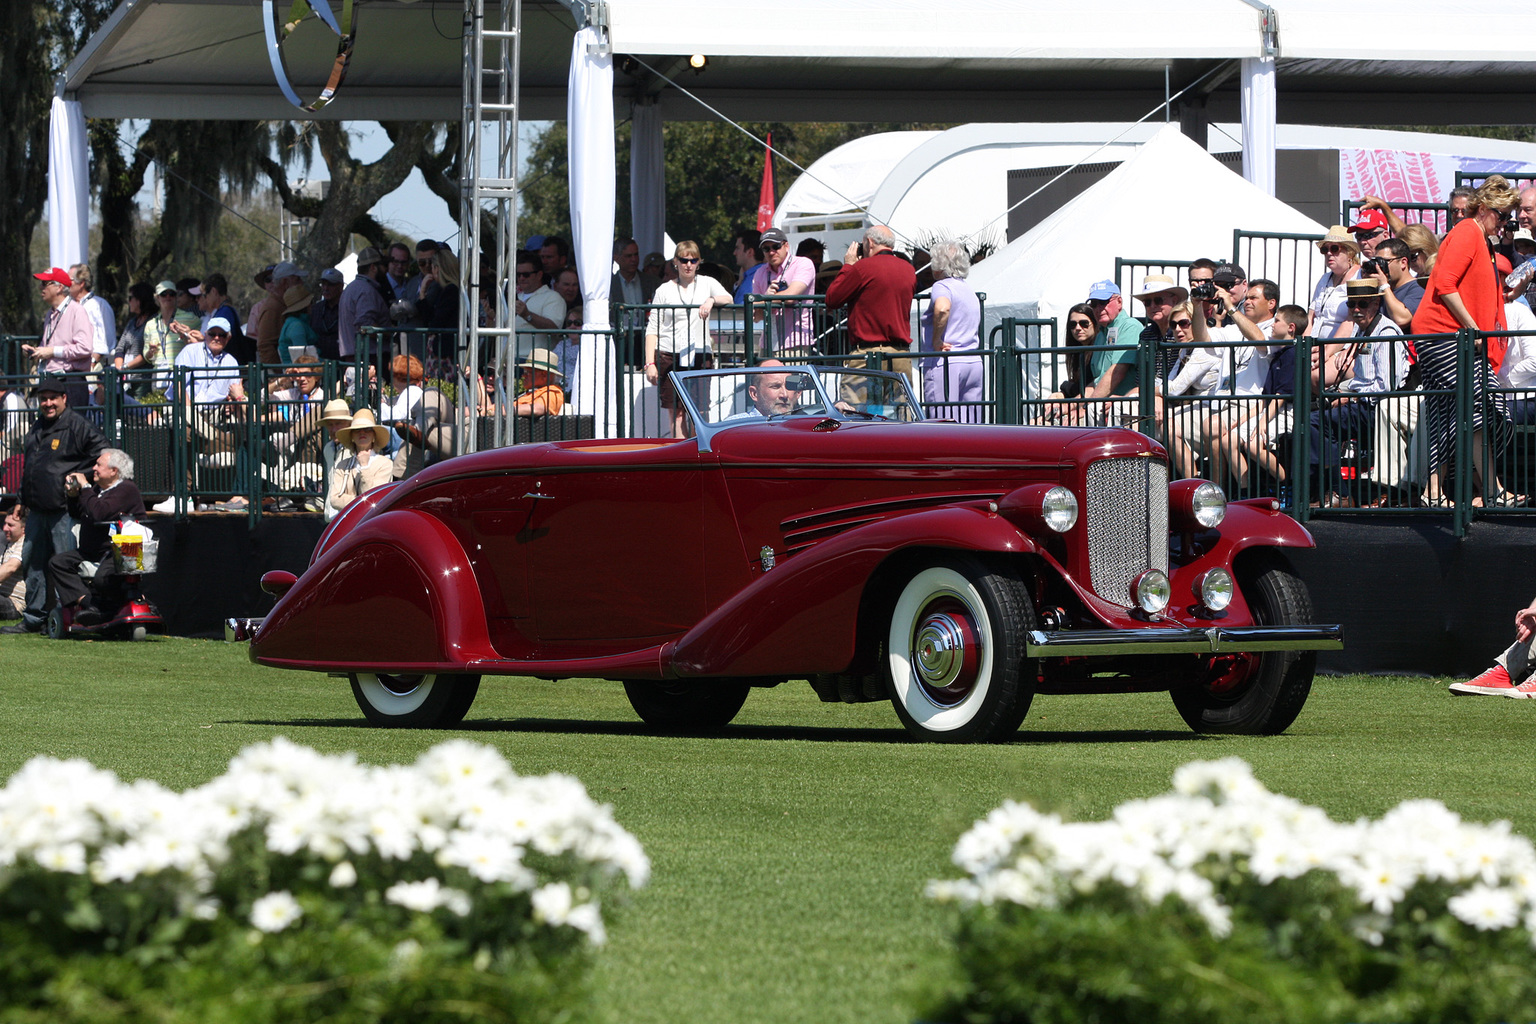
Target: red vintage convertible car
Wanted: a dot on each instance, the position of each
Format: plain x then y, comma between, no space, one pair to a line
816,528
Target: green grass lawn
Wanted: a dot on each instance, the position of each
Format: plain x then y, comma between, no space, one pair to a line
790,856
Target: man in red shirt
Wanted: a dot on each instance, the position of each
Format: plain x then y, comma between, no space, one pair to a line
877,287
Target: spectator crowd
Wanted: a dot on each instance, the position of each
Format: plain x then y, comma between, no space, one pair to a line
326,386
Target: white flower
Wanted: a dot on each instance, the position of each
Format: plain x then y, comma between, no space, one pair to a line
343,875
427,895
1485,908
552,903
275,911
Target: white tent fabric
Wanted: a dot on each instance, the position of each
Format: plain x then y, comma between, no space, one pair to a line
1198,204
1258,103
590,117
69,189
844,180
647,177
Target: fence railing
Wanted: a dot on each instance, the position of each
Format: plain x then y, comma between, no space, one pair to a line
1322,451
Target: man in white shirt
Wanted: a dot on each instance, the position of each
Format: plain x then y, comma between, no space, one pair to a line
103,321
209,377
1360,370
538,306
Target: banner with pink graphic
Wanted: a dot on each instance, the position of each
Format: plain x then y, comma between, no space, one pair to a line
1402,177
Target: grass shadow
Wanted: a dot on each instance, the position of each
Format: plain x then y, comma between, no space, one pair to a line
803,733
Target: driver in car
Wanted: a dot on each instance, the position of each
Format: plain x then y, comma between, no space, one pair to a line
770,395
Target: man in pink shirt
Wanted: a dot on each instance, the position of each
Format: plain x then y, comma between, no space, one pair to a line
68,336
779,277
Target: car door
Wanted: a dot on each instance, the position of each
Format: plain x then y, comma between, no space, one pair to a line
616,544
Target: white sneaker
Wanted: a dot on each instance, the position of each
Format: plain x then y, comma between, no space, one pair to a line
168,506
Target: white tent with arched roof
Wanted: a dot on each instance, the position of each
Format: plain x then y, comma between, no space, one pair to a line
1172,201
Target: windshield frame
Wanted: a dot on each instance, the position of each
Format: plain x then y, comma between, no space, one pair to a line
705,430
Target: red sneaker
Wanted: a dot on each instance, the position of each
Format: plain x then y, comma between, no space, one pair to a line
1495,683
1526,689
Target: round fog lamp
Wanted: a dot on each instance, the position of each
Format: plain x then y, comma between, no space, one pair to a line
1214,589
1059,509
1151,591
1209,505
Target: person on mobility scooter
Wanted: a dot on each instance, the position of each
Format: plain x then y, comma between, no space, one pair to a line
98,508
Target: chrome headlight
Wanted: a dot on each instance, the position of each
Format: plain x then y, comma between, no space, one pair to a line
1151,591
1208,505
1214,589
1059,509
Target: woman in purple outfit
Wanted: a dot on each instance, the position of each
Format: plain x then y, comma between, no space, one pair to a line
952,323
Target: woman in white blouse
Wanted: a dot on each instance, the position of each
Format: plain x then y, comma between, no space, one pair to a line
677,335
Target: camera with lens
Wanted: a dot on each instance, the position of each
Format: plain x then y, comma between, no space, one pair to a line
1202,289
1373,266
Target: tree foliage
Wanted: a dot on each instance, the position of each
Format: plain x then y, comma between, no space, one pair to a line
713,175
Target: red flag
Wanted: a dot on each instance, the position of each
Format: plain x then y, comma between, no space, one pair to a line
765,194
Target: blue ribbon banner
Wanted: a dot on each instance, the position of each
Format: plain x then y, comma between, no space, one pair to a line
345,35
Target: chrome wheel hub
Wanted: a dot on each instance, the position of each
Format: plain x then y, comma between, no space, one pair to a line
946,651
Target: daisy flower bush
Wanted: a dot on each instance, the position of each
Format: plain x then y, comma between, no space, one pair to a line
304,887
1223,902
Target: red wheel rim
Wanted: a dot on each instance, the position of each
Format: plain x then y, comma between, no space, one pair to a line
1228,672
946,650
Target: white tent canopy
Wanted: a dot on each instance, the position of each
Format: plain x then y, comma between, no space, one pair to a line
1192,205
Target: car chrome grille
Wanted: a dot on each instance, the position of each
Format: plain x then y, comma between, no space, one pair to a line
1127,521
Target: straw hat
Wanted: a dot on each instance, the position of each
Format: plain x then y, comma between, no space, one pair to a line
336,411
296,298
542,359
1363,288
1154,284
1339,234
364,419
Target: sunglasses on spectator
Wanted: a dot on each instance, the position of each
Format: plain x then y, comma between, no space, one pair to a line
1359,303
529,273
1098,303
771,247
1183,325
1334,250
688,259
1079,323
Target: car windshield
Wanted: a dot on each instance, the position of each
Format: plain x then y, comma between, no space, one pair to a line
719,399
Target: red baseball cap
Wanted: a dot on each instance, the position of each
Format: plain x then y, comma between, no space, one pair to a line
58,274
1370,220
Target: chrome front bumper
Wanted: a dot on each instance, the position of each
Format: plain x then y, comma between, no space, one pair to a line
241,630
1181,640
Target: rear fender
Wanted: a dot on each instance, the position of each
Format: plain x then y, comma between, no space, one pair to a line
801,618
396,594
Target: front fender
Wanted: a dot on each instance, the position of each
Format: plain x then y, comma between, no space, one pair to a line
801,618
396,594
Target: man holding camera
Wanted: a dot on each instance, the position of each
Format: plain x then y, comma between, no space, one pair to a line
1401,291
779,277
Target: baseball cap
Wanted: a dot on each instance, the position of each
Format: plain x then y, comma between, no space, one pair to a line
54,382
165,288
535,242
1228,274
218,323
332,276
367,258
58,274
1370,220
774,235
286,269
1104,290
